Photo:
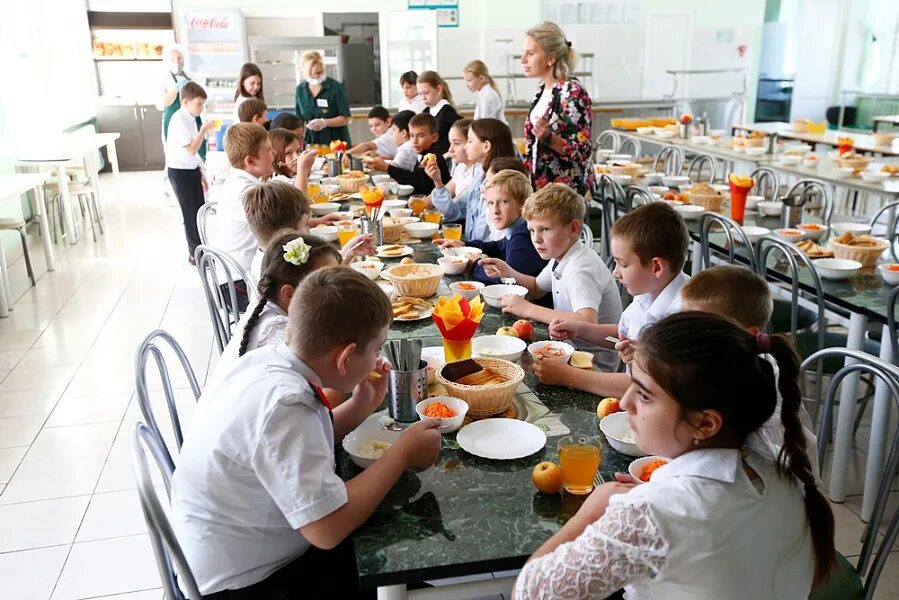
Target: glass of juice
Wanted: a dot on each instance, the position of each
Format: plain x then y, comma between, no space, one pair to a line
418,203
452,231
314,192
345,232
432,216
579,457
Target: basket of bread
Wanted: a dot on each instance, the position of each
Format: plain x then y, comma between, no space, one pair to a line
418,280
756,139
631,169
394,230
851,160
351,181
489,390
865,249
704,195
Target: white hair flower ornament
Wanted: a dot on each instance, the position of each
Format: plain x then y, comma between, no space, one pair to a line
296,252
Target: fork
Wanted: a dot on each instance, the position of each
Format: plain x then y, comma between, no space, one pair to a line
598,480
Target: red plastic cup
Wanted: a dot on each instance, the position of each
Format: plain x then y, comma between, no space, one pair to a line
738,202
843,148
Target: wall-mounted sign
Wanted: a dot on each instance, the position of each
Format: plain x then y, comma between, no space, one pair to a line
447,11
215,40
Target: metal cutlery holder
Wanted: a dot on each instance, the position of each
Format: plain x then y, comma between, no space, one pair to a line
335,167
405,389
374,227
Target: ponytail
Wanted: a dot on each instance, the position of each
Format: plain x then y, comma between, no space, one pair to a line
793,460
265,288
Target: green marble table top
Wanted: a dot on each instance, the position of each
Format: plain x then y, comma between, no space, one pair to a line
468,515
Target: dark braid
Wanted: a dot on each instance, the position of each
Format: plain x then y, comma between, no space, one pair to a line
265,288
793,459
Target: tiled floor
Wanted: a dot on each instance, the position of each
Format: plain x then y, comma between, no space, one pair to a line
70,524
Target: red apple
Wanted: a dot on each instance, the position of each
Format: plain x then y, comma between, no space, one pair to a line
523,328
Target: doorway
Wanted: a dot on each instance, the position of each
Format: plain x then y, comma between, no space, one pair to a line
361,54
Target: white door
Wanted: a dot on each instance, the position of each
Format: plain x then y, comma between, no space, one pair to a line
408,43
667,48
816,60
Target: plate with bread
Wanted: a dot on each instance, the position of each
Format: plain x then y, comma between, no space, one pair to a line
394,251
406,308
813,250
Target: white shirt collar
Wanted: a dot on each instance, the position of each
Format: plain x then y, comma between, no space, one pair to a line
559,265
241,174
661,305
273,306
297,364
720,464
438,106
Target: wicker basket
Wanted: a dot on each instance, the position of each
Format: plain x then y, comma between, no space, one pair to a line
707,201
417,280
867,255
883,139
487,400
858,163
351,182
394,231
633,170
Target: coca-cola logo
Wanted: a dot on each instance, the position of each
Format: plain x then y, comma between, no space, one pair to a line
209,23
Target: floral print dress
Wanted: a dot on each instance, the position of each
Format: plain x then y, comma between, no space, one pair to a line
573,110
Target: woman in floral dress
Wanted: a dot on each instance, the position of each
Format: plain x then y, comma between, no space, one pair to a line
558,127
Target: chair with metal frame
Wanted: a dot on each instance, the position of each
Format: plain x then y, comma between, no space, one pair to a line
207,210
637,196
170,559
766,179
613,200
671,158
150,347
218,272
630,146
860,581
604,138
891,228
733,234
703,160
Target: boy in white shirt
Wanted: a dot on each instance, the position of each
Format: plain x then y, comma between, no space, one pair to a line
256,503
183,165
583,290
649,245
406,157
379,123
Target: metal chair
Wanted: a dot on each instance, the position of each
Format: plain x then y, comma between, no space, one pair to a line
18,225
806,189
208,209
613,200
732,233
608,140
702,160
170,559
630,146
672,159
217,270
891,229
766,178
149,347
637,196
586,236
889,375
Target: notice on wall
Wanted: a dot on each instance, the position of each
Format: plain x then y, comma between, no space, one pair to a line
447,11
571,12
215,40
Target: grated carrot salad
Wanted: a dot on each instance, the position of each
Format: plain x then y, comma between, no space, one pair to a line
650,468
439,410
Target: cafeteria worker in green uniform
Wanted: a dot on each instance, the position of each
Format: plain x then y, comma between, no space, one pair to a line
322,103
175,79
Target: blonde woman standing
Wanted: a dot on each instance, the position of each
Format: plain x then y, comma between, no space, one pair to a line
558,127
322,103
478,80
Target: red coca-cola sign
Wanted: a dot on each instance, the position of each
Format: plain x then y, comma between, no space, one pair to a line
209,23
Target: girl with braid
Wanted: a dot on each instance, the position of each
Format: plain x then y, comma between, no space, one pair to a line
716,520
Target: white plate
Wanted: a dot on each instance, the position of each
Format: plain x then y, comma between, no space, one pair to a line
501,439
388,289
425,315
405,252
435,352
356,196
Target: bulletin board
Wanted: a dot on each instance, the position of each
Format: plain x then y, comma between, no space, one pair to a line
447,11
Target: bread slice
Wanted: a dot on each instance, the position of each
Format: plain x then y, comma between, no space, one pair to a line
581,360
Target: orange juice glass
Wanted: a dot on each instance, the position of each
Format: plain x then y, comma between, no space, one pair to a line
418,204
452,232
314,192
579,458
432,216
345,233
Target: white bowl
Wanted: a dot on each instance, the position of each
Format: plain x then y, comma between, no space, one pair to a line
452,265
621,157
721,188
669,202
665,134
399,213
841,172
771,208
755,233
811,161
752,202
325,232
837,268
404,190
714,141
676,180
330,188
622,179
422,229
654,178
324,208
467,294
460,407
381,179
718,132
689,211
790,159
700,139
789,234
645,130
369,268
889,277
345,215
493,294
636,467
855,228
657,189
469,252
752,151
616,429
505,347
556,349
370,429
812,234
388,204
875,176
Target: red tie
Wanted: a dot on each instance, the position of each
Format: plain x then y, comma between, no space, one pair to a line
321,395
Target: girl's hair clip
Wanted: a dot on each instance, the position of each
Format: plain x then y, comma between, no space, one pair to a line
296,251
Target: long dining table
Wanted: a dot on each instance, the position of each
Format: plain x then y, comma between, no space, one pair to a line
469,516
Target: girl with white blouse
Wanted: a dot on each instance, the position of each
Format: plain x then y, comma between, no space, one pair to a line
463,171
717,521
478,80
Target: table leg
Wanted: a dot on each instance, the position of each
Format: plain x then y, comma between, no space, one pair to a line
842,444
5,294
66,199
392,592
696,265
114,163
45,227
880,425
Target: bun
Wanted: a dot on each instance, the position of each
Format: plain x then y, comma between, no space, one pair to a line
581,360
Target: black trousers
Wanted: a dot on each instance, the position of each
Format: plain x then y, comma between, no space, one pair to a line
188,187
316,575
